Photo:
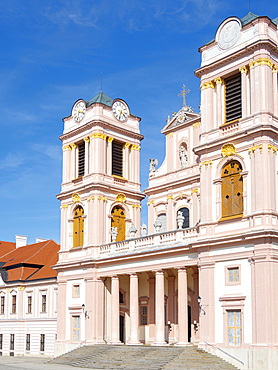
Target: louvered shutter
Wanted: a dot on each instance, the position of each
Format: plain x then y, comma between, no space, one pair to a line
233,98
117,158
81,159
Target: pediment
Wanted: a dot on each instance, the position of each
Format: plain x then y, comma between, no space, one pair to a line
183,116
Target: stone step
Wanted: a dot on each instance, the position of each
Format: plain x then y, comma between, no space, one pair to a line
141,357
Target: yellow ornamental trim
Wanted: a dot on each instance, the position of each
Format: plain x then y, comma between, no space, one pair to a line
135,206
103,199
205,163
274,68
90,198
169,135
110,139
7,289
86,139
228,149
244,69
21,288
74,146
219,80
197,124
75,198
135,147
169,197
194,191
66,147
206,85
98,135
254,148
127,145
274,149
121,198
150,202
261,62
64,206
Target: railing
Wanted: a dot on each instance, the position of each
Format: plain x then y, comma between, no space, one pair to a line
226,353
183,236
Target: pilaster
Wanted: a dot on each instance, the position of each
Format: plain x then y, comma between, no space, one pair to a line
115,311
159,308
182,307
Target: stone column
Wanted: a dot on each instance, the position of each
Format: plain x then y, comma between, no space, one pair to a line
182,307
244,98
126,161
66,163
87,170
109,156
134,309
210,105
169,215
159,309
275,89
171,292
151,318
151,217
92,155
115,311
73,161
219,82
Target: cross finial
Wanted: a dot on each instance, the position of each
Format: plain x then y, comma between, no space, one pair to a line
183,93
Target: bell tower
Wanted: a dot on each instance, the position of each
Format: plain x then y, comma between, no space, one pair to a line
101,169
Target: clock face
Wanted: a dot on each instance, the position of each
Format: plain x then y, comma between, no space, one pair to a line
79,111
119,111
229,34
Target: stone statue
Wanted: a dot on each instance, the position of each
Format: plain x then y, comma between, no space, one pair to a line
157,225
153,163
132,231
180,219
183,156
144,229
114,233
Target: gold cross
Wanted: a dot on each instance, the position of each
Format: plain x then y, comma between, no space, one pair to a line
183,93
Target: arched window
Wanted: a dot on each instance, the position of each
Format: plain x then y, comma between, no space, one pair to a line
78,227
162,219
118,221
232,190
185,213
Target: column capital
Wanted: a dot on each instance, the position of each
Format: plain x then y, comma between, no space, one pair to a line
244,70
158,272
114,277
133,274
183,268
219,81
86,139
110,139
73,146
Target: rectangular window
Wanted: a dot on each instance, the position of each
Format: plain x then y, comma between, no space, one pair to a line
76,291
117,158
144,315
1,341
81,159
43,303
28,341
14,304
76,328
29,304
234,327
2,305
12,342
233,98
233,275
42,342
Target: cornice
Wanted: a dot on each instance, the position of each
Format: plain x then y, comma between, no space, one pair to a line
105,125
256,45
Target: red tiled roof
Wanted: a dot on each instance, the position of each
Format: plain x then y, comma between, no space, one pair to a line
31,262
6,247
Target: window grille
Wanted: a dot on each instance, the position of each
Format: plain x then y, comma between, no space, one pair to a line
43,303
14,304
12,342
42,342
28,341
144,315
29,304
2,305
234,327
78,227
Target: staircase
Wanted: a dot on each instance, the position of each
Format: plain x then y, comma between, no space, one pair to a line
141,357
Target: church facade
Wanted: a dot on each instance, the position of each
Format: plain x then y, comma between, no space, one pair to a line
205,268
206,272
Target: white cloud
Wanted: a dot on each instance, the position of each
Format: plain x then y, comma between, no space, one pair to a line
12,161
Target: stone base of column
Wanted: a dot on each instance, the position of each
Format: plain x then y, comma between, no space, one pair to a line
119,343
183,344
159,344
135,343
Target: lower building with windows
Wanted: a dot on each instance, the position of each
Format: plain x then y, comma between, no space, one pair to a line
28,297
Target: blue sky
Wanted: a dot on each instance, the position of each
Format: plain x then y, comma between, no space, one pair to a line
53,52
